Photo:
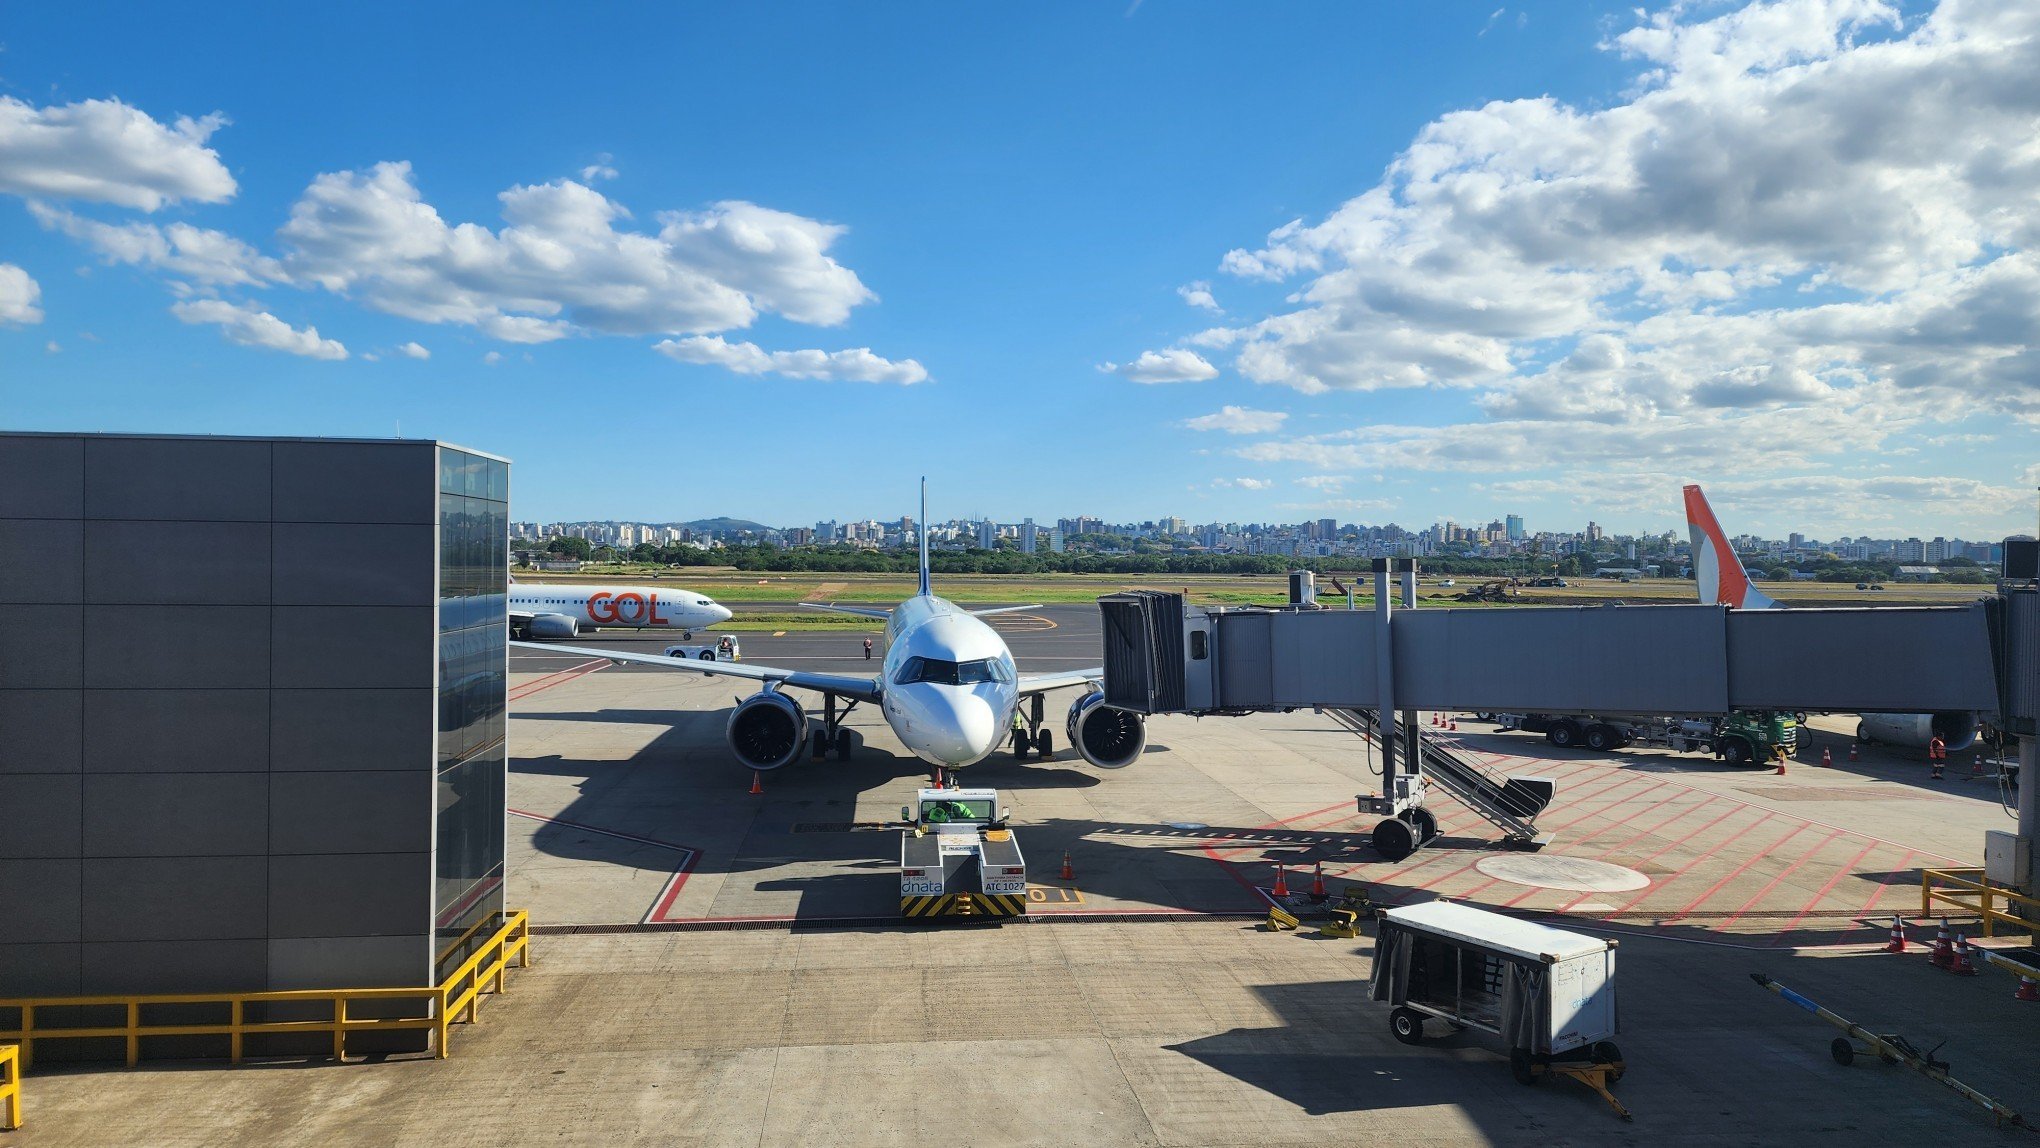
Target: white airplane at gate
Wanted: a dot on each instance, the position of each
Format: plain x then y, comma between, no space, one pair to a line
541,611
947,687
1723,582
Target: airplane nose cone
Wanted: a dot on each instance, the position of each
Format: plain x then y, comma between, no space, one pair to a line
723,613
966,724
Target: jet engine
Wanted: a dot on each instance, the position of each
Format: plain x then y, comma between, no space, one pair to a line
554,626
1957,729
767,730
1107,738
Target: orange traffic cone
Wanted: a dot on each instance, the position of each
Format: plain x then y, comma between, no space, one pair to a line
2029,990
1897,944
1976,767
1453,725
1317,883
1068,873
1853,756
1827,759
757,782
1281,883
1963,966
1780,771
1944,948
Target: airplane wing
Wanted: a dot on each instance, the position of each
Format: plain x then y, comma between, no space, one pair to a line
860,611
842,685
1003,610
1061,679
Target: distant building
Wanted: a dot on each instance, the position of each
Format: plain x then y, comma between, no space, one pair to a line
1328,528
1055,541
988,535
1027,537
1917,573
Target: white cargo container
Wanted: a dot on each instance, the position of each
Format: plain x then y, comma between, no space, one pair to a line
1548,993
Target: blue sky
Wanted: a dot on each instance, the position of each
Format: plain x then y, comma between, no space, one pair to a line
1007,208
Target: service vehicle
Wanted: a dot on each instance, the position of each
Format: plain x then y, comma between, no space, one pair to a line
723,649
1740,738
958,859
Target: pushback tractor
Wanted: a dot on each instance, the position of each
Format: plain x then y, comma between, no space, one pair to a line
958,860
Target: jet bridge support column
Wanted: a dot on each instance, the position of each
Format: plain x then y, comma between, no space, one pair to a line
1407,824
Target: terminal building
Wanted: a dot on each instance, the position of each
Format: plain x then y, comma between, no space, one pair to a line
252,699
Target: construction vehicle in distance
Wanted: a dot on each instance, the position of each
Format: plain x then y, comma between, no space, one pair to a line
1741,737
958,860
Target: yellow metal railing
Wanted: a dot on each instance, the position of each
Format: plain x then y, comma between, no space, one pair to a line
1967,889
10,1087
431,1008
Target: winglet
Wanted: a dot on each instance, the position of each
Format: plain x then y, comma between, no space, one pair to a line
922,528
1719,572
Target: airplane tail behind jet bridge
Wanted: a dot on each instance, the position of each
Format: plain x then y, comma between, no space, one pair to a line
1720,573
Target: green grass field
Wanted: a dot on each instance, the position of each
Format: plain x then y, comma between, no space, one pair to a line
738,589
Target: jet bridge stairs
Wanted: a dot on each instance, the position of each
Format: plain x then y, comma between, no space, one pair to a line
1510,804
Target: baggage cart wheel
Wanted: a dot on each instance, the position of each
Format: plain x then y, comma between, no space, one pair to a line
1522,1066
1395,839
1843,1052
1407,1025
1605,1052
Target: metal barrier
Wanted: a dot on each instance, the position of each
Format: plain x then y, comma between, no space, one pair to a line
10,1087
1967,889
433,1008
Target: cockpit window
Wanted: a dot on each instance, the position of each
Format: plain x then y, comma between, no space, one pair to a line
943,673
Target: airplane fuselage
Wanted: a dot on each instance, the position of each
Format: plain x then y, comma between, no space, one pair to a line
950,688
640,607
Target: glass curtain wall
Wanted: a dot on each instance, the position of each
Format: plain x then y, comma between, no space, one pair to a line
474,541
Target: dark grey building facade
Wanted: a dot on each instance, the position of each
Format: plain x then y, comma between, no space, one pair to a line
251,711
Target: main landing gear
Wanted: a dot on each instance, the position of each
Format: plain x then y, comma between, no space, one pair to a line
832,735
1036,737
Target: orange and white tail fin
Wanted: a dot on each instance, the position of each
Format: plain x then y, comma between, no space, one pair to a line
1722,579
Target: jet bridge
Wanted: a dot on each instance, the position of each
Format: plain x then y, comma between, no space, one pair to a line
1163,656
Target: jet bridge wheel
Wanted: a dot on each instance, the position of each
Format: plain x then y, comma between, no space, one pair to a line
1395,839
1426,824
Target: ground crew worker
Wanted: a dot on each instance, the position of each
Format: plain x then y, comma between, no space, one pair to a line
867,649
1937,755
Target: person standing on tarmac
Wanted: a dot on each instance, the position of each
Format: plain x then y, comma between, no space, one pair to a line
867,649
1937,755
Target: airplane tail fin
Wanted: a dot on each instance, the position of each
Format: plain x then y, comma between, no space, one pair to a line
1716,568
921,528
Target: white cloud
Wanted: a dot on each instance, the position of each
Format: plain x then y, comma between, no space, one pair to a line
250,326
108,152
1172,366
1327,483
19,294
213,258
413,350
1243,483
53,347
1791,183
600,169
562,264
1237,420
492,358
857,365
1198,294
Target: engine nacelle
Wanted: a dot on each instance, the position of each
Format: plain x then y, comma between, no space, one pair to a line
1957,729
767,730
1107,738
554,626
